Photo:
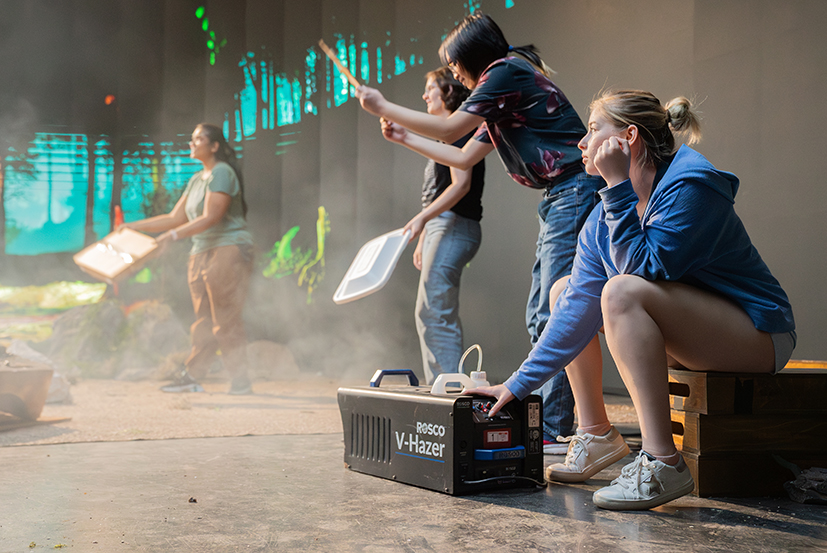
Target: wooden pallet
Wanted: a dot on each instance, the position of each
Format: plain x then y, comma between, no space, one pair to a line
740,474
699,433
732,427
791,391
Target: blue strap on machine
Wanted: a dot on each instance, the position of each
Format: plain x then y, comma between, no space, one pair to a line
381,373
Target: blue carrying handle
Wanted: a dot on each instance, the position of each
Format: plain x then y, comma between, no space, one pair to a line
381,373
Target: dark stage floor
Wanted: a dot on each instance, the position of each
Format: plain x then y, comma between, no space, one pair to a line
291,493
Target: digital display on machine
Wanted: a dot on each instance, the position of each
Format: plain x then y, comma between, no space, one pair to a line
500,437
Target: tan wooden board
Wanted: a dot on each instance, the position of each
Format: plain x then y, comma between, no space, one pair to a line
117,255
816,366
342,69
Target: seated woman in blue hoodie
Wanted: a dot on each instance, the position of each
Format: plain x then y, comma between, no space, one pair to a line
666,268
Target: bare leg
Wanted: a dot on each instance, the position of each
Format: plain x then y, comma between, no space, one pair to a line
649,323
596,445
585,374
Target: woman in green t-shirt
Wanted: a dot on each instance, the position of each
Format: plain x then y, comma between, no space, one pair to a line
212,212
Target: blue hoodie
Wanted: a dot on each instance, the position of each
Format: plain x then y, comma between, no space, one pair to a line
690,234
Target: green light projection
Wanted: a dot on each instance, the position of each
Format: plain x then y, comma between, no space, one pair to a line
144,276
342,89
46,188
309,266
364,63
271,99
103,166
213,44
55,297
310,89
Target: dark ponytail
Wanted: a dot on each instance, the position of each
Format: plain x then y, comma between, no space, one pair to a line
226,154
477,41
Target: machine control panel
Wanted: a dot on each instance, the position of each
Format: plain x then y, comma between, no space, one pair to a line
482,407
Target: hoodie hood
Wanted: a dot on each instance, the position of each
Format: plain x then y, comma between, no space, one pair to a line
689,165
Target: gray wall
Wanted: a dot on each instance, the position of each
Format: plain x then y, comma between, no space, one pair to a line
758,70
757,67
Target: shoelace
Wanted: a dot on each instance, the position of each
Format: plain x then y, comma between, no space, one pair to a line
578,444
635,473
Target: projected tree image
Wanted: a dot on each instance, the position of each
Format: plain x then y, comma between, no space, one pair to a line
60,188
52,193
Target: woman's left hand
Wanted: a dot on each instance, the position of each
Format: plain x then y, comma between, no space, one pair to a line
613,159
392,132
499,391
417,257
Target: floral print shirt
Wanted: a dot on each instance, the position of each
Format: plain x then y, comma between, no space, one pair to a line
529,121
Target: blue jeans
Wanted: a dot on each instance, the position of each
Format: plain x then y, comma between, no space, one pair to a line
450,242
562,211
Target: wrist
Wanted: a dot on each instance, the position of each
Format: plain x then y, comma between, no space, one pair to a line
382,106
174,234
615,179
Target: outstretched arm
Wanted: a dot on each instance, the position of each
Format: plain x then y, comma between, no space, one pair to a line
175,223
446,154
449,130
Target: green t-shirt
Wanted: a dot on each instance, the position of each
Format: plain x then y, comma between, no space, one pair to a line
232,228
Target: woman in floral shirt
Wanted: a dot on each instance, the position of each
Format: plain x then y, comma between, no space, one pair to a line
522,114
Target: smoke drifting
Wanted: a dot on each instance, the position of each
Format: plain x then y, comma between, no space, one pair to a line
66,60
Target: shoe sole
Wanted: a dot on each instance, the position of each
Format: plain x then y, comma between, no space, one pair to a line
594,468
642,504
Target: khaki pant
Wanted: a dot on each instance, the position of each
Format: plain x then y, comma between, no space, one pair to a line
218,281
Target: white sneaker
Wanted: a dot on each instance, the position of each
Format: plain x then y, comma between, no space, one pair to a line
645,483
587,455
557,446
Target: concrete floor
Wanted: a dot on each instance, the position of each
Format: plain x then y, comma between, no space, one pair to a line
292,493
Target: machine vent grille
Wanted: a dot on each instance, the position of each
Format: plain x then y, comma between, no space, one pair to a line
370,438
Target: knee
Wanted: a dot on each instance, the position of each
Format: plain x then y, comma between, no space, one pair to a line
622,293
557,289
428,306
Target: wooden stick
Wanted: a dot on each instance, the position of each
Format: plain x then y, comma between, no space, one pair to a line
332,55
